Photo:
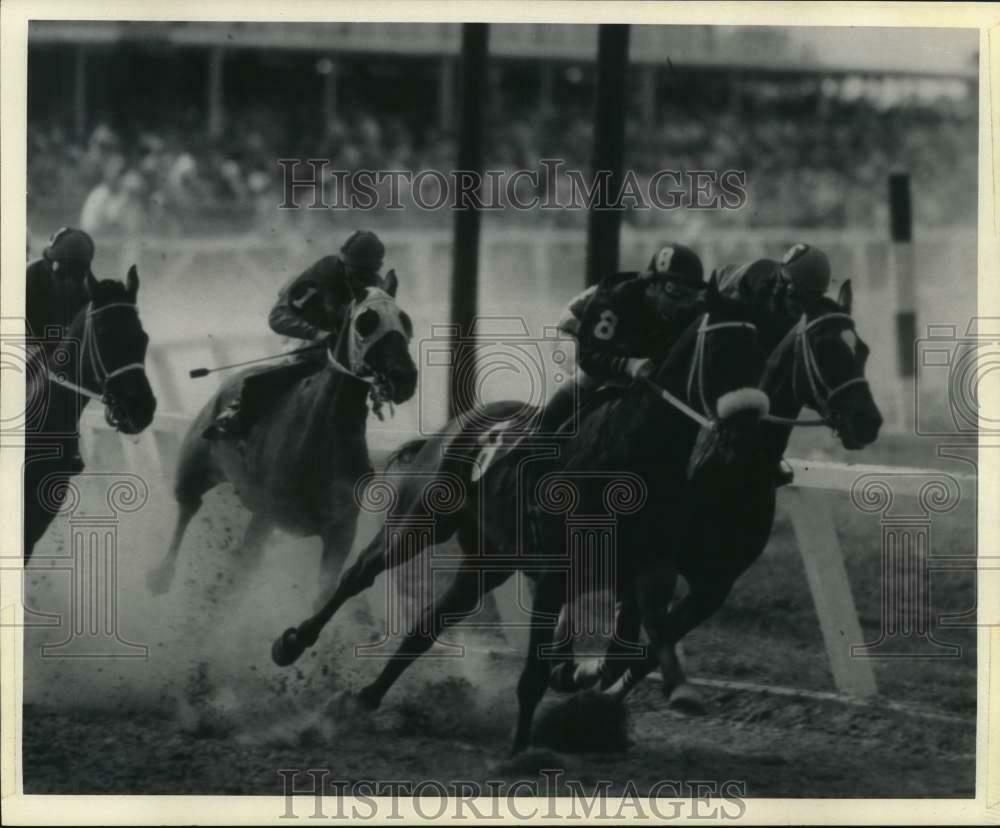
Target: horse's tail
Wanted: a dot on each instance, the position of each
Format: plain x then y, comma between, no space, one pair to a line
406,452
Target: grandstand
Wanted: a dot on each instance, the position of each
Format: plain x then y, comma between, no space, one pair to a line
815,129
180,126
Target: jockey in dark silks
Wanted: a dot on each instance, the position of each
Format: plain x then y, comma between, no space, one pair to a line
56,286
614,346
307,308
777,294
55,292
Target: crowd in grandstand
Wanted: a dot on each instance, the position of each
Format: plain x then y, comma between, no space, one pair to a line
822,167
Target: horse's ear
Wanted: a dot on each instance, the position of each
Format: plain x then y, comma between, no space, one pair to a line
91,282
845,298
390,283
132,283
713,287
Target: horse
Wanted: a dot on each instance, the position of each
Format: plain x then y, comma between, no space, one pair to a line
299,464
704,377
104,351
818,363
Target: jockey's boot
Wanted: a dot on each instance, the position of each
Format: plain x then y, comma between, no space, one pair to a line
783,474
228,425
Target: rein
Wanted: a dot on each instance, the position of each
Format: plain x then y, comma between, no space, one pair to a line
822,393
92,352
696,374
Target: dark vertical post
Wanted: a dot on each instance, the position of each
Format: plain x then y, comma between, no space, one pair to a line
604,226
901,230
446,93
80,91
330,92
216,111
465,264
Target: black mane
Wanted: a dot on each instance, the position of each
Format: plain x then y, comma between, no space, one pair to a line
107,291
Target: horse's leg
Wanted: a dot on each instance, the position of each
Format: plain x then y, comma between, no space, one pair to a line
338,538
37,520
373,560
549,596
250,552
617,658
655,607
706,595
159,579
462,597
196,474
563,676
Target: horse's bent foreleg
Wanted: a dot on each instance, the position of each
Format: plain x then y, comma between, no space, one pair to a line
338,538
404,543
463,595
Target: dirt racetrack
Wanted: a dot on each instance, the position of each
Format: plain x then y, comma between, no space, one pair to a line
208,713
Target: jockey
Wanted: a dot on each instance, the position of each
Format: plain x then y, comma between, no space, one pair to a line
613,346
311,306
778,293
55,292
56,286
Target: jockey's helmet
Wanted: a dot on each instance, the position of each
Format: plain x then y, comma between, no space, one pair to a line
364,251
71,248
678,263
807,270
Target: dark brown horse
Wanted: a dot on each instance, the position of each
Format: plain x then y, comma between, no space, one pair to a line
634,437
818,363
299,465
101,357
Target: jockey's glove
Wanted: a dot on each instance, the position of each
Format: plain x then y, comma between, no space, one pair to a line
639,369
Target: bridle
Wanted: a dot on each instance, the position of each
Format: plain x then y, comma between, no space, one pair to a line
379,393
696,373
92,354
822,393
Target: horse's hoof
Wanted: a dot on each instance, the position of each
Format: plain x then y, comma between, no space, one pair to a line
686,699
158,580
287,648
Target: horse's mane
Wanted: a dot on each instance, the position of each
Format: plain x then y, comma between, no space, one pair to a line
107,291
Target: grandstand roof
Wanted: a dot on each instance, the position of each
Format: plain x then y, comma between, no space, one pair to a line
918,52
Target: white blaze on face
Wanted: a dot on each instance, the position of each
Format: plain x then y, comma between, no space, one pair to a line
851,340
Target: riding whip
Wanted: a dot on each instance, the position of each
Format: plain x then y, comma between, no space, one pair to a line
196,373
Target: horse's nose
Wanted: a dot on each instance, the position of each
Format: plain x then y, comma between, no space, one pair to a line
404,383
865,425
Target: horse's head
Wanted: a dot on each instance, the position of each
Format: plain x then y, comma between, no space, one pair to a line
821,364
376,341
113,351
